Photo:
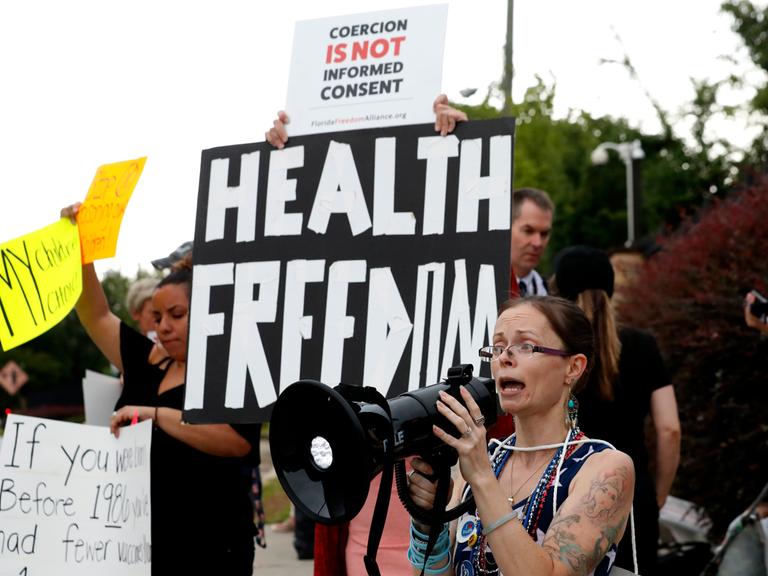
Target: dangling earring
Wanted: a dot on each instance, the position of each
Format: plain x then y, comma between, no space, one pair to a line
573,412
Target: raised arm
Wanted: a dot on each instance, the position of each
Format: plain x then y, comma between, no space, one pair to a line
667,425
93,309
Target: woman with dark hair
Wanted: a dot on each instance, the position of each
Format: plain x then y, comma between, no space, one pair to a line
628,382
202,518
548,500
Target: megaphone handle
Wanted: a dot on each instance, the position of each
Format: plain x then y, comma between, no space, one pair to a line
427,516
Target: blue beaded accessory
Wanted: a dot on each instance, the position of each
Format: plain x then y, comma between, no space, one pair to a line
573,412
440,551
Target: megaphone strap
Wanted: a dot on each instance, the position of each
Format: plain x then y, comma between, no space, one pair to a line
373,396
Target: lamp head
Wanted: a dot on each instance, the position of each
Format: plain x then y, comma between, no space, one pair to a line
637,150
599,156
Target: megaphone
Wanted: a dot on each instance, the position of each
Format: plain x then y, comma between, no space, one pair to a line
327,444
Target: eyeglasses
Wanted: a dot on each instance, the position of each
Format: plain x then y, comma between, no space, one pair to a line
524,350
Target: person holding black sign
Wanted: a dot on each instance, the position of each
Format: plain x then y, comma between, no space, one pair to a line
549,500
202,518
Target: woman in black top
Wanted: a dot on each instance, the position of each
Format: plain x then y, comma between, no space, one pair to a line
202,517
627,383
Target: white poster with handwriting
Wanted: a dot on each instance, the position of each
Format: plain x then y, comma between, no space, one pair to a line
366,70
74,500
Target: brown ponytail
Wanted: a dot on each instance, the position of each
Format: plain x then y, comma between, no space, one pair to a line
597,307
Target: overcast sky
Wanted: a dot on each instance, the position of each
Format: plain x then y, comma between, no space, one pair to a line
91,82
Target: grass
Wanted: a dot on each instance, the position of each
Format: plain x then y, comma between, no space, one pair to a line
277,506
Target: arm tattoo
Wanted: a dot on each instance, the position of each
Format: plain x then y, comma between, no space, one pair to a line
561,543
606,494
598,508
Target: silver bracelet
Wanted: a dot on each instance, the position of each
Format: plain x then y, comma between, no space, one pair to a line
500,522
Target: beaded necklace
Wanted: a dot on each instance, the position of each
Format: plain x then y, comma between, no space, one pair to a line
484,566
536,503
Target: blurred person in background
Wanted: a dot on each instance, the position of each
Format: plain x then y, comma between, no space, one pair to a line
627,383
139,302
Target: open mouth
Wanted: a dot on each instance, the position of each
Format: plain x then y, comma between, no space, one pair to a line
511,385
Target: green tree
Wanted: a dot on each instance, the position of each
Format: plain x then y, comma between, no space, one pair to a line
554,155
750,22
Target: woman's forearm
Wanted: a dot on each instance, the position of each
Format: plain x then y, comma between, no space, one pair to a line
214,439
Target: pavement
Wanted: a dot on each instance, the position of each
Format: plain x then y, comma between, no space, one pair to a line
279,557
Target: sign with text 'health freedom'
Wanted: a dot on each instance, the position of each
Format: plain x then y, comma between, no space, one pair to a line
366,70
374,257
74,500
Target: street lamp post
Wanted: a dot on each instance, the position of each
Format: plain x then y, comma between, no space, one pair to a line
628,152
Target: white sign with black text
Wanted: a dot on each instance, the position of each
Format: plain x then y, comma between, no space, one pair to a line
366,70
74,500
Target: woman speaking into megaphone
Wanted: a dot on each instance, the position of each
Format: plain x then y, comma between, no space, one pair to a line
548,500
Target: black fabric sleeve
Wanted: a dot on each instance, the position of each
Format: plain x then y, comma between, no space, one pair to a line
139,384
134,349
653,363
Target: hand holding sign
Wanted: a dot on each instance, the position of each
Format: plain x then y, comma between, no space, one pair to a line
277,135
446,116
100,215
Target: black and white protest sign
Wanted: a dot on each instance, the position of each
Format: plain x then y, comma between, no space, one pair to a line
374,257
74,500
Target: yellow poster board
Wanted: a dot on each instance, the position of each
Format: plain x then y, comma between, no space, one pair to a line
102,212
40,281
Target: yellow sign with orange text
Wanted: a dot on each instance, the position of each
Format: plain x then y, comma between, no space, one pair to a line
40,281
102,212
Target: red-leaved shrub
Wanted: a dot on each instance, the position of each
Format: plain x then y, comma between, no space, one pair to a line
689,294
